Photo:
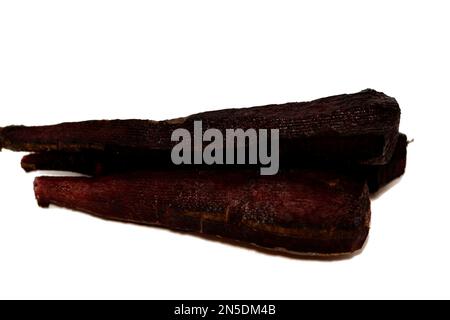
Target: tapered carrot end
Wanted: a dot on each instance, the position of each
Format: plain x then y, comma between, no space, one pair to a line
28,164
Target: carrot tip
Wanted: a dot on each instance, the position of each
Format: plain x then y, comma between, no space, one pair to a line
27,165
43,203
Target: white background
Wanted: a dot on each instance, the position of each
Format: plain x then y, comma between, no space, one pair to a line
79,60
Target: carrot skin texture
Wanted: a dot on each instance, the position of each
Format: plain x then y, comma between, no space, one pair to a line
303,212
359,128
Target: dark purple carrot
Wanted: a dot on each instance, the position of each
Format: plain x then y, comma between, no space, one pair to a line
304,212
104,163
97,163
358,128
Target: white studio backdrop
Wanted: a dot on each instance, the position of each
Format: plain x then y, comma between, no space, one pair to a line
80,60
